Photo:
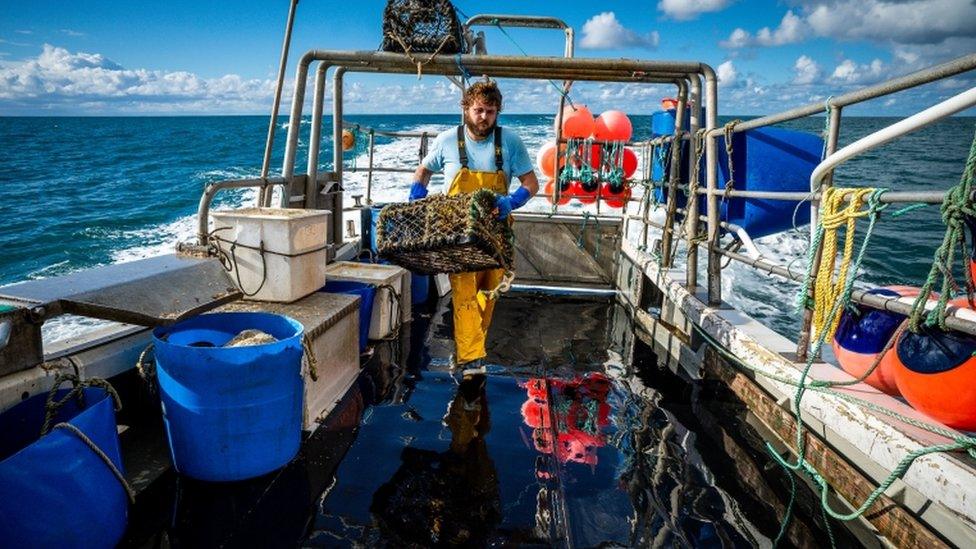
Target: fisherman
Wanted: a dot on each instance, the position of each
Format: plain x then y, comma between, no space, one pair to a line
477,155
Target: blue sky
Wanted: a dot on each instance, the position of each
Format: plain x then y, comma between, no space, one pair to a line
209,57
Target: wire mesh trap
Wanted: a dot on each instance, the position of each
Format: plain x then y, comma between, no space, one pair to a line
445,234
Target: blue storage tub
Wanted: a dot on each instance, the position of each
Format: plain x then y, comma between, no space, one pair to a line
366,293
236,412
54,490
764,159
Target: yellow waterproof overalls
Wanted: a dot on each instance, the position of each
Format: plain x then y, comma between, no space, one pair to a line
471,318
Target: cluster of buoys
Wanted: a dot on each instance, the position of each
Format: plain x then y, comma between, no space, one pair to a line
595,171
569,425
934,370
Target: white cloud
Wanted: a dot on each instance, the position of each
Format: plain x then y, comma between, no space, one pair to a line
849,72
604,31
58,78
684,10
881,21
791,29
807,71
727,75
24,31
906,22
74,33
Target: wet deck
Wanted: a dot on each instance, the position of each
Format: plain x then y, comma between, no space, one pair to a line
575,438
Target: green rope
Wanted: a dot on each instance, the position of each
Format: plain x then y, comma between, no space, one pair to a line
960,442
580,240
956,206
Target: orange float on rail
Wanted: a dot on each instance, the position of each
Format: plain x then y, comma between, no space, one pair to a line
577,122
863,333
348,140
613,126
546,158
936,373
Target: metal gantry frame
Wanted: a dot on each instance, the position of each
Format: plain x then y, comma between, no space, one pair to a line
696,84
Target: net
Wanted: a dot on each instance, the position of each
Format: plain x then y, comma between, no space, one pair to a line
421,26
445,234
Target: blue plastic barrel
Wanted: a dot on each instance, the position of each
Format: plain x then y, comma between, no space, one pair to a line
231,413
374,216
54,490
366,293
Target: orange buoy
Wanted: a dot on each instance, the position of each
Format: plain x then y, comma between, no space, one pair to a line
630,162
936,373
550,192
615,196
577,121
862,334
348,140
613,126
546,158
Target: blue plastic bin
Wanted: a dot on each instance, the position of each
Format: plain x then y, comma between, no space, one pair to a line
419,288
236,412
366,293
54,490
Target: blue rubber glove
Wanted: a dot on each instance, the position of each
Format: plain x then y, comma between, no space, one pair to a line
514,201
417,191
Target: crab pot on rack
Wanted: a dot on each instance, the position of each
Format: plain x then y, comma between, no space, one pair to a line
445,234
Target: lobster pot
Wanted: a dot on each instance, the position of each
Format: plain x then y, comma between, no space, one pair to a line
55,490
421,26
445,234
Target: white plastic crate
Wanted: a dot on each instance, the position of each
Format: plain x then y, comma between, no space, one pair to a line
294,242
389,309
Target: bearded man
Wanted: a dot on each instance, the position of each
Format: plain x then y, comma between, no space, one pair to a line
479,154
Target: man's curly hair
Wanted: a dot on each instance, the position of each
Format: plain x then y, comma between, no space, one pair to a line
486,91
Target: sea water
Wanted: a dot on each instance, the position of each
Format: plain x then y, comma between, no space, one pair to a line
84,192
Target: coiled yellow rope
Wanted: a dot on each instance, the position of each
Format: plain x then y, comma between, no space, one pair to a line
834,215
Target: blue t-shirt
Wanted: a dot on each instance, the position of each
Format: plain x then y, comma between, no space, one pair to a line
443,155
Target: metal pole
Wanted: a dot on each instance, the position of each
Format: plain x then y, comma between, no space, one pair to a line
917,121
711,178
691,265
315,139
806,328
294,125
674,173
924,76
337,78
263,197
369,174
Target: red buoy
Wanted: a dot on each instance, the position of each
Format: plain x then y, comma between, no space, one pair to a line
615,196
863,333
936,373
584,192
